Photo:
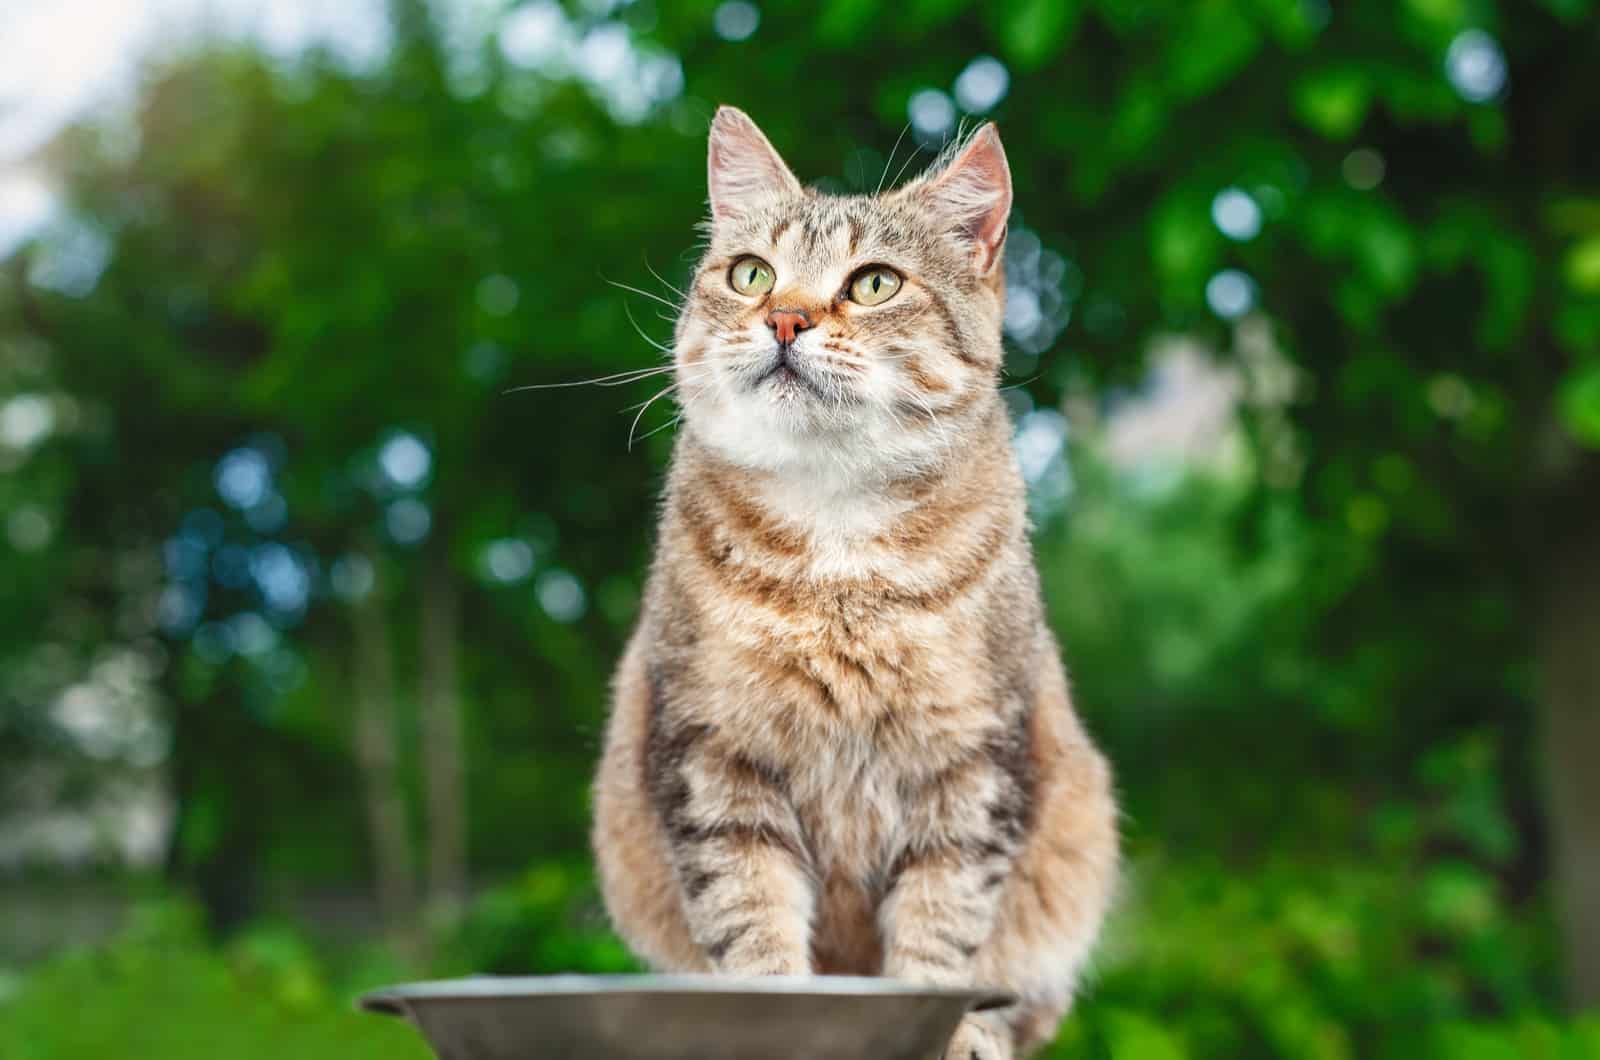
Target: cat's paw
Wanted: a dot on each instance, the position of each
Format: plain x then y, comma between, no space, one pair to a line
979,1039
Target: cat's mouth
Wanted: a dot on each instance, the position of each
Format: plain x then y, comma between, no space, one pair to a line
785,375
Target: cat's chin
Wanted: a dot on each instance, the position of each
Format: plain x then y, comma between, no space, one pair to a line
795,433
779,420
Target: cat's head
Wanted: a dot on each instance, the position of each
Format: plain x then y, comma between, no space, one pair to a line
854,332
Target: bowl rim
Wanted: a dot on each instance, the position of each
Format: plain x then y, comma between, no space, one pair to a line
396,1000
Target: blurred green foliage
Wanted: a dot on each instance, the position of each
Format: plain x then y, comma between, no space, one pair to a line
1316,647
162,990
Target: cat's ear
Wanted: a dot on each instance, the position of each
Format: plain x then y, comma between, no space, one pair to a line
973,195
741,165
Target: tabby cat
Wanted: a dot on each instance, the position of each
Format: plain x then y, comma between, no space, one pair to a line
841,740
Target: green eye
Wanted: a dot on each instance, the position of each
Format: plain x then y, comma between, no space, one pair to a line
874,285
751,276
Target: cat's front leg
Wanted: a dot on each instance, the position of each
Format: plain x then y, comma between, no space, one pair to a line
965,828
938,915
737,847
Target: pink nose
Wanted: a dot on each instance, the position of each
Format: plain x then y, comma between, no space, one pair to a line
787,323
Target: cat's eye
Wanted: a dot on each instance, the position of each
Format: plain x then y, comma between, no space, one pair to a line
751,276
874,285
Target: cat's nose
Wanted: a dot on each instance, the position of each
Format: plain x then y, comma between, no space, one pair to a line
787,323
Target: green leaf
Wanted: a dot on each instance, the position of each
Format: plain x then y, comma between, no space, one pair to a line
1459,898
1579,402
1184,243
844,20
1583,266
1032,31
1215,45
1511,269
1139,119
1446,15
1333,101
1388,253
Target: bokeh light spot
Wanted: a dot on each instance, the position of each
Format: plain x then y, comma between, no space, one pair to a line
26,206
561,595
932,114
1450,396
179,608
405,460
1475,66
1363,169
408,521
26,420
508,560
1023,314
982,85
243,478
70,259
1041,437
736,20
28,528
535,34
605,52
282,578
251,634
352,576
1236,214
498,295
1231,294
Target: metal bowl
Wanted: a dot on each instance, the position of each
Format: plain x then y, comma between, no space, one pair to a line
679,1017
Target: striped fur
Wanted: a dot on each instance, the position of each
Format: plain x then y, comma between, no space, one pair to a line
841,739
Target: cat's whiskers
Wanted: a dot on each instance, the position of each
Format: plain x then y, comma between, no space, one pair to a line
663,280
628,312
687,372
632,375
916,149
618,379
643,406
885,174
675,307
679,417
657,430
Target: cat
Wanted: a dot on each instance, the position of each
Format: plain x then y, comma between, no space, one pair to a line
841,739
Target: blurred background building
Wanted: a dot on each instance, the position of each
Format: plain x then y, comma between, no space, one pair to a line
306,615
